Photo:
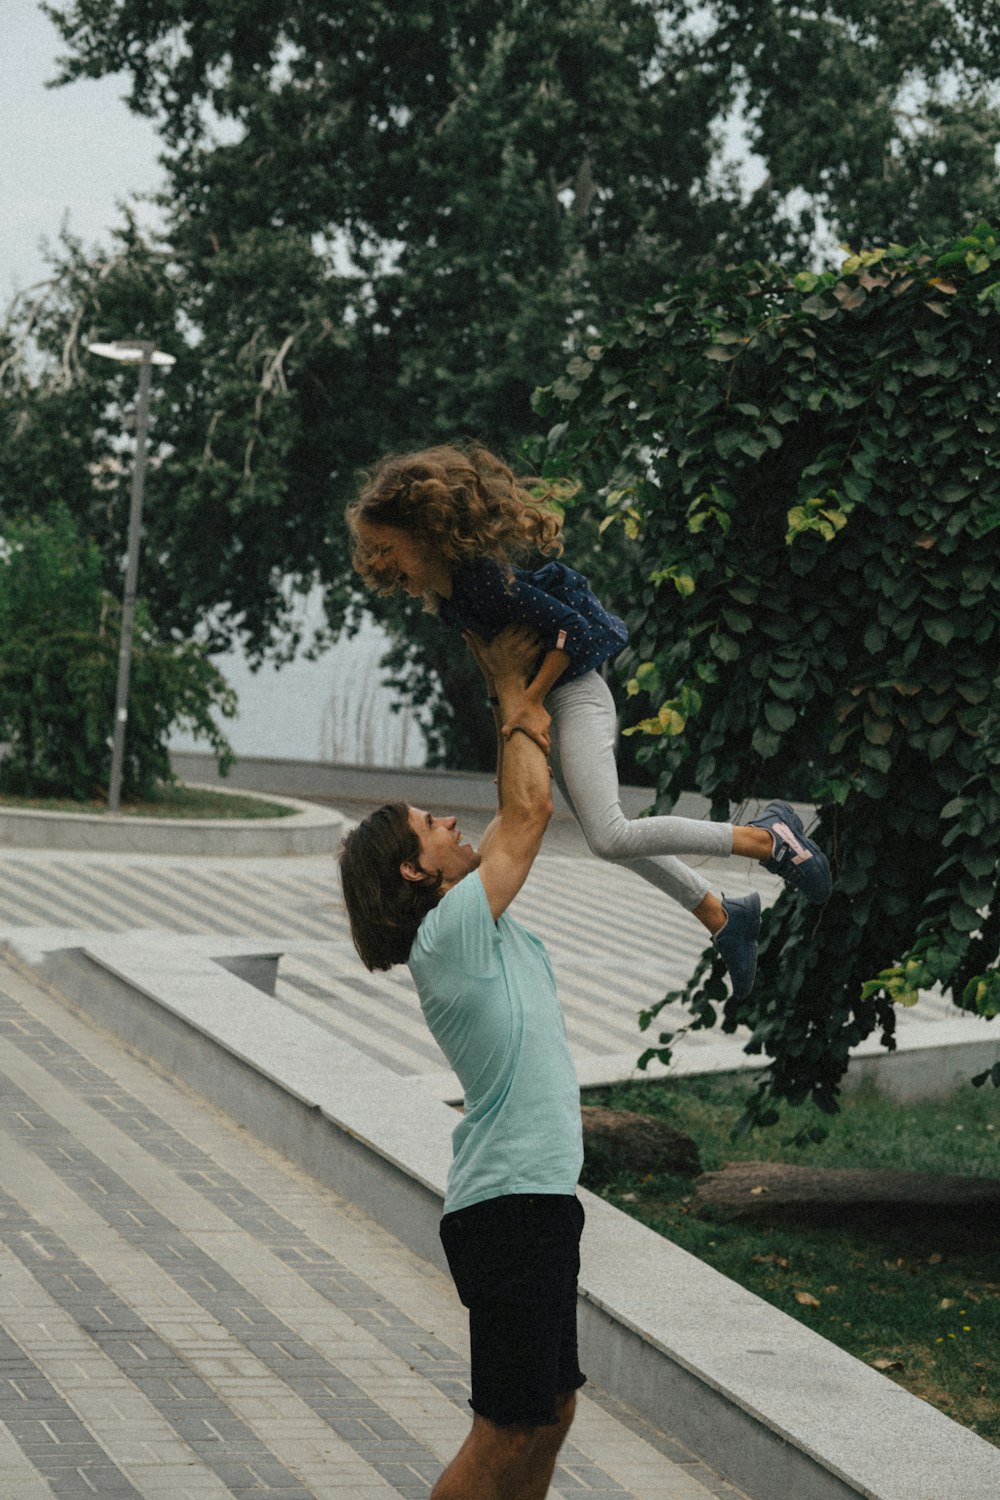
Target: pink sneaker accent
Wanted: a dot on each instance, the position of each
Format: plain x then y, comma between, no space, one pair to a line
801,855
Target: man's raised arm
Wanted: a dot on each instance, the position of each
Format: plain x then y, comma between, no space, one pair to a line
524,782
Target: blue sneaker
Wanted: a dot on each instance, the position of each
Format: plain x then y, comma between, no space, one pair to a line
736,943
796,858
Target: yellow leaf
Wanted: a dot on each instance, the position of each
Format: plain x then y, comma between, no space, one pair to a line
807,1299
671,721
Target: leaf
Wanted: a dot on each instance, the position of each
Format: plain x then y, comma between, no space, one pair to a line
963,918
940,630
772,1258
780,716
850,297
878,731
887,1364
671,721
806,1299
724,647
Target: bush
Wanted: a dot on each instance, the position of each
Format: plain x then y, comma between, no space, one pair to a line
807,474
59,667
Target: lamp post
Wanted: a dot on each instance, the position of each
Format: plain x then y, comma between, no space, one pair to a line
144,354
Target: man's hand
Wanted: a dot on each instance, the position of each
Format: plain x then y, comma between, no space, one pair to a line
533,719
509,657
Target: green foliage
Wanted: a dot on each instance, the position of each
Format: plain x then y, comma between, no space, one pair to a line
386,223
817,456
59,667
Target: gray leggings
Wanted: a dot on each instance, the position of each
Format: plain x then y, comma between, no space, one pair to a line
586,772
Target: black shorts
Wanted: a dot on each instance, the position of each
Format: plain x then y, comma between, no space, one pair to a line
515,1262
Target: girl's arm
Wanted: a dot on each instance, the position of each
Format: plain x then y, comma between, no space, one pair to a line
529,714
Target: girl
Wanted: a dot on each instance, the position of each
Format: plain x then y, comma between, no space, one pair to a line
446,524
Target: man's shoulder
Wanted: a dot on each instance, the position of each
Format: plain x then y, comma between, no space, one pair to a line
462,912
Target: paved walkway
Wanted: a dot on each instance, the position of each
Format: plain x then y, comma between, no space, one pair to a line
187,1317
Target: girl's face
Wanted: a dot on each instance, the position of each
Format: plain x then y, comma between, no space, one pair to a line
406,558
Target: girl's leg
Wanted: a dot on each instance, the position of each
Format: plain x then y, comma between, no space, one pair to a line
583,761
669,875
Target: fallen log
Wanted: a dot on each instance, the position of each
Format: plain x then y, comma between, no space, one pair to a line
775,1191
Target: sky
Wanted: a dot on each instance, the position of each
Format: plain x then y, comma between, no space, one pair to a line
67,153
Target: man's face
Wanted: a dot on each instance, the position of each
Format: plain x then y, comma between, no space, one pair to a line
441,848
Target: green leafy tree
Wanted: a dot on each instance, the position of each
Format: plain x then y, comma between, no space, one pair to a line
808,470
386,223
59,668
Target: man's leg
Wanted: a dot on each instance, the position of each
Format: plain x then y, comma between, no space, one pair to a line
506,1463
548,1441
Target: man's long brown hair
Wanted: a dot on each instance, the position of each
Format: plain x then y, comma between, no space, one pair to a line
384,908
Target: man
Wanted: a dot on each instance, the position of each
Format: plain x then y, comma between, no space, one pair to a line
416,893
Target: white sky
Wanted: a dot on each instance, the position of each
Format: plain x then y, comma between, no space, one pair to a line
72,152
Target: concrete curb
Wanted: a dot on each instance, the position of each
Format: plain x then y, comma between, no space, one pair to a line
308,829
771,1405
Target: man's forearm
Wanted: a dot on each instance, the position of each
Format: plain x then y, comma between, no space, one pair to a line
501,742
523,777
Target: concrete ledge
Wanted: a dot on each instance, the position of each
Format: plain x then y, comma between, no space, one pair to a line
928,1062
460,791
774,1407
308,829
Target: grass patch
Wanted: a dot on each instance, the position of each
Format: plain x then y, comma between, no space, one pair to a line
927,1301
168,802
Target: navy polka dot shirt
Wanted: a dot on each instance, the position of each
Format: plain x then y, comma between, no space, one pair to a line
554,600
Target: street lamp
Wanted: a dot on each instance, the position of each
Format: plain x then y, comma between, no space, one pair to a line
144,354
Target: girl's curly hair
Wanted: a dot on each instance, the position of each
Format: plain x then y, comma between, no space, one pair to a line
464,501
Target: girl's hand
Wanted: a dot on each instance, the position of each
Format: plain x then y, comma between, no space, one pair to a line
533,720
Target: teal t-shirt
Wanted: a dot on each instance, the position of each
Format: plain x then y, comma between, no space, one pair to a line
488,994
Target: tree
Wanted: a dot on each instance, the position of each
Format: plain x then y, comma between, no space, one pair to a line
59,667
386,223
808,470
